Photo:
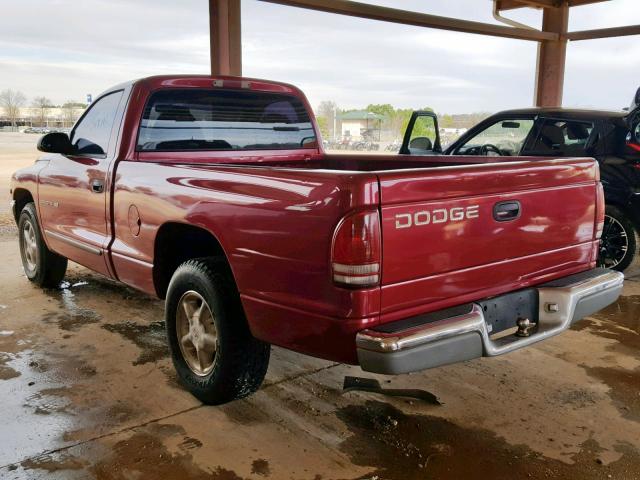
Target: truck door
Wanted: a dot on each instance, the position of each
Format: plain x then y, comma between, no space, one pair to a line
422,136
73,188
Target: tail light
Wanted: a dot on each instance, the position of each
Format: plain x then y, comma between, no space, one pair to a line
356,249
599,211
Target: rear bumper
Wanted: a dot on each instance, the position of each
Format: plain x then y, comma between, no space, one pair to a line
465,336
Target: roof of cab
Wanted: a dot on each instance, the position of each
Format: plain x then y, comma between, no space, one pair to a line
160,81
235,82
578,113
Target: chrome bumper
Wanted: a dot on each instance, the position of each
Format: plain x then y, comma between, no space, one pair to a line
467,336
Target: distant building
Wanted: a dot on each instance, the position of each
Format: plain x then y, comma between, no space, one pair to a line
453,131
50,117
360,125
450,135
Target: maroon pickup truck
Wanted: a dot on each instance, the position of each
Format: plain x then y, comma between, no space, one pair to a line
215,193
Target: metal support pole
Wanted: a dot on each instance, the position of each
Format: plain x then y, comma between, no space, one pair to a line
225,37
552,57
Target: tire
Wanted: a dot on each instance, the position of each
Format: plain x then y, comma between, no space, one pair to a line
239,361
41,266
618,245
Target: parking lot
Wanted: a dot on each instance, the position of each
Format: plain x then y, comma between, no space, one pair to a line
88,391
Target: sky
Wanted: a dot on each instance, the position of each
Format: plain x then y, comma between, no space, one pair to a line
64,49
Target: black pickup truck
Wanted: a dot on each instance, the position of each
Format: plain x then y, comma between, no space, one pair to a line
611,137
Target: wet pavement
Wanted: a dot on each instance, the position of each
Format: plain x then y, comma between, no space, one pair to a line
87,391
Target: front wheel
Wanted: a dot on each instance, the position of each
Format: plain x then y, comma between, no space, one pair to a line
213,351
41,266
618,242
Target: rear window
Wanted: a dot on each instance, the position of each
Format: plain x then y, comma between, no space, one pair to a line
199,119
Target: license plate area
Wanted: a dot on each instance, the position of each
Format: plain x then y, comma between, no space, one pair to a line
501,313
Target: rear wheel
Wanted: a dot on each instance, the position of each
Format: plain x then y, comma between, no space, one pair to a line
41,266
213,351
618,243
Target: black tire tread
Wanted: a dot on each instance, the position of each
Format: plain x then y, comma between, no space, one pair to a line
245,359
52,267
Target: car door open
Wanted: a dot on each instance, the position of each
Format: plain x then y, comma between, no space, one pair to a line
422,136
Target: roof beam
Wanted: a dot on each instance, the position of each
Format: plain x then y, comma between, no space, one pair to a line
604,33
405,17
552,58
512,4
225,37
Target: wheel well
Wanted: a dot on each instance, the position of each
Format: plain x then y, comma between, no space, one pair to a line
175,244
21,197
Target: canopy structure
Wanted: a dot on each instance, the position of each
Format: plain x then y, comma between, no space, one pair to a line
226,45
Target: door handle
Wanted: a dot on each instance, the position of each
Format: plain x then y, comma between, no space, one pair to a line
97,185
505,211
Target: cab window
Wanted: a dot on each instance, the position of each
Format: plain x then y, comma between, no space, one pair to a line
562,137
205,119
92,134
505,137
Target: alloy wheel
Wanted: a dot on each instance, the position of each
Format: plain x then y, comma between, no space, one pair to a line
614,243
197,333
29,246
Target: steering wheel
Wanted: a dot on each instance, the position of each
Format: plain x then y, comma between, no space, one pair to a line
488,147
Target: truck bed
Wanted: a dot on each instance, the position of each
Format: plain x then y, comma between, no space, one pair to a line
377,163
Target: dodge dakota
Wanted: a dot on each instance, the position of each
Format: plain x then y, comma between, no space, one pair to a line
215,194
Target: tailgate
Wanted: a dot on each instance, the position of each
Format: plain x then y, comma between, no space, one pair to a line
473,231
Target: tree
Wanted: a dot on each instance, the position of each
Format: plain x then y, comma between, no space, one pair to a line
70,112
327,112
446,121
385,109
42,104
11,101
323,125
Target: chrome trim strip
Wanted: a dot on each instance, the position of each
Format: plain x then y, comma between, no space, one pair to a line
75,243
549,323
449,327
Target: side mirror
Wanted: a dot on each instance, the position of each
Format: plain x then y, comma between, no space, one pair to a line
421,143
55,142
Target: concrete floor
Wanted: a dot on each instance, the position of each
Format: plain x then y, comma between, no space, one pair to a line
87,391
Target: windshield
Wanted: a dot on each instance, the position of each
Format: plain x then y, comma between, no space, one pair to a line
505,137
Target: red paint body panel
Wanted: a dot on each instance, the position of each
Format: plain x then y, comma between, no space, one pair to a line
68,207
434,248
275,212
275,227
